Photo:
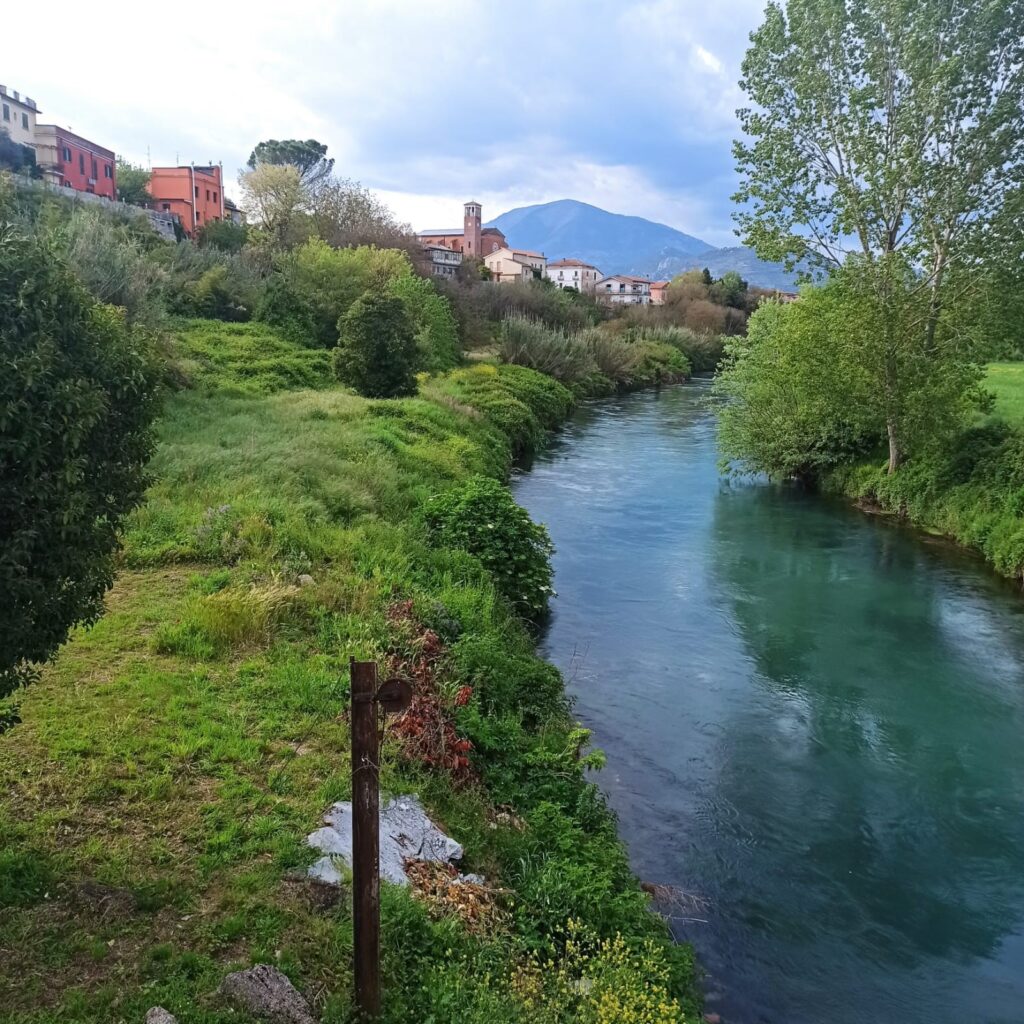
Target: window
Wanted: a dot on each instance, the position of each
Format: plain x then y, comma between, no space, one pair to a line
66,153
207,195
108,171
24,120
215,197
95,170
197,191
81,163
167,206
7,112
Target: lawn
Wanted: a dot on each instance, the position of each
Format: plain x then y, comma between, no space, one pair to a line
1006,382
173,758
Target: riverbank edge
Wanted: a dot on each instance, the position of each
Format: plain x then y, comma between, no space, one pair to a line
975,507
517,411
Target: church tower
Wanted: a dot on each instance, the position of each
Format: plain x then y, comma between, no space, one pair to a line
471,231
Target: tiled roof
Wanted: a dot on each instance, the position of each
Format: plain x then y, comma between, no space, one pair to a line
572,263
441,231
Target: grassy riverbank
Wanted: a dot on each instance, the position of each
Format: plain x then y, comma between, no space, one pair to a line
174,757
973,492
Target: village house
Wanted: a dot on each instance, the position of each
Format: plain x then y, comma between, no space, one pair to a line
511,265
474,240
233,212
658,290
572,273
194,193
624,289
69,160
18,116
442,261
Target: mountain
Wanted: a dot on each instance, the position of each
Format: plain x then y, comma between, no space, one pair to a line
618,244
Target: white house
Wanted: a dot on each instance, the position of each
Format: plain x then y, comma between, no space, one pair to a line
624,288
572,273
507,265
444,262
18,116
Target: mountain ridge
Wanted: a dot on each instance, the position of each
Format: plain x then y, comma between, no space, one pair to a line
622,244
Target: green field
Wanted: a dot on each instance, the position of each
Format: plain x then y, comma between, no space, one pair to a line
1006,382
173,758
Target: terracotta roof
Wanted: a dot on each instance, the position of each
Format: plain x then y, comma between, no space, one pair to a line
626,277
441,231
660,284
569,262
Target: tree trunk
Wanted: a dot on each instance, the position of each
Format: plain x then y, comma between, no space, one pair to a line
895,453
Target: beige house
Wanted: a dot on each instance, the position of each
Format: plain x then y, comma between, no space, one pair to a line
513,265
625,289
18,116
573,274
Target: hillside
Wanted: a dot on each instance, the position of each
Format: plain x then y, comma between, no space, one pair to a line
618,244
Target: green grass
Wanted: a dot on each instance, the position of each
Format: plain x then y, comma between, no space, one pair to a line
173,758
1006,382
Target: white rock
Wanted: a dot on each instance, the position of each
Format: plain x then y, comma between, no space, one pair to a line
405,832
158,1015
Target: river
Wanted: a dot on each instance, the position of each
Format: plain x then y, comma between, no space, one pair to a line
814,723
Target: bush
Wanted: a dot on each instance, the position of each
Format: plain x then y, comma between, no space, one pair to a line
481,517
225,235
437,333
316,285
77,399
528,342
377,352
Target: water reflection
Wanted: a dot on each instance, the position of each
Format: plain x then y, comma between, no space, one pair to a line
812,719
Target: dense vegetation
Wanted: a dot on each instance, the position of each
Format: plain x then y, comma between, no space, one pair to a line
174,755
883,148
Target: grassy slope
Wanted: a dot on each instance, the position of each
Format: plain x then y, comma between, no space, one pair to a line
975,494
174,757
1006,382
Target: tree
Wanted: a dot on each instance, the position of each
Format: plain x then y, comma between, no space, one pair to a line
77,400
346,213
806,388
17,157
132,183
376,354
892,129
225,235
274,197
308,157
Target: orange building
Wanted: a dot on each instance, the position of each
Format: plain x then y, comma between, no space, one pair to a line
195,194
658,289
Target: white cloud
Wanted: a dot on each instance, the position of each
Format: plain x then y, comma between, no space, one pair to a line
626,104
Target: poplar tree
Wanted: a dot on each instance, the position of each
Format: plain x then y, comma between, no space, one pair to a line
886,135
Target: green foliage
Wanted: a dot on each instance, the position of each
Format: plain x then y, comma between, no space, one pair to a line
77,398
437,334
315,285
819,381
14,156
376,353
481,517
225,235
308,157
1006,383
243,358
528,342
132,183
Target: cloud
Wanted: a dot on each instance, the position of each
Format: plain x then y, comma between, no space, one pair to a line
627,104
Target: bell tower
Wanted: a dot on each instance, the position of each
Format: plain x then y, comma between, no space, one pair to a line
471,230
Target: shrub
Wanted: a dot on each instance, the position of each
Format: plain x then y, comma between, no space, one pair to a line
528,342
615,358
213,297
437,333
481,517
77,399
377,352
315,285
225,235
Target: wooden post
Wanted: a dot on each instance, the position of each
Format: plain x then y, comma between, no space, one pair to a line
365,837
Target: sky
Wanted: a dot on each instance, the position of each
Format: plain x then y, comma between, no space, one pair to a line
628,105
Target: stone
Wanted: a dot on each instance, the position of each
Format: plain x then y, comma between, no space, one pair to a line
405,833
158,1015
264,991
305,580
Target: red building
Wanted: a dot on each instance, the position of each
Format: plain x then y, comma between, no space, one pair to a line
473,240
195,194
69,160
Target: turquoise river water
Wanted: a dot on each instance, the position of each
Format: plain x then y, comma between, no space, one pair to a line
814,723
